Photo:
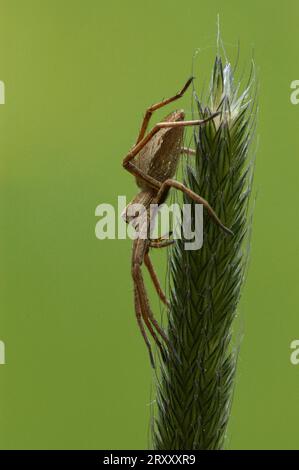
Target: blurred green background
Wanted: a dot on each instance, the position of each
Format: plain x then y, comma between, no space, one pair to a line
78,76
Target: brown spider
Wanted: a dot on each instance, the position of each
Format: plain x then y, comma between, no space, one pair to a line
153,161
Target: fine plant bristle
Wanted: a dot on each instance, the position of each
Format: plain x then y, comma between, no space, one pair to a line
194,390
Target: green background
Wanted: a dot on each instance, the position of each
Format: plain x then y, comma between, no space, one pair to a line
78,77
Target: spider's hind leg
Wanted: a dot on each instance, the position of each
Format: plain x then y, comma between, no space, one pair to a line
156,282
138,313
142,306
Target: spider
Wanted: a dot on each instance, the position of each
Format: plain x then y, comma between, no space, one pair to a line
153,161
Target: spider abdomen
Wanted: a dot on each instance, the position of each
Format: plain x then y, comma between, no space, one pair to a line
159,157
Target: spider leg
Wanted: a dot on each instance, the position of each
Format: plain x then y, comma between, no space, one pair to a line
162,125
161,242
134,170
141,327
147,310
139,249
159,105
200,200
140,316
154,277
129,166
153,333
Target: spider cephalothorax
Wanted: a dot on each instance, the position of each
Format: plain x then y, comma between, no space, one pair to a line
153,161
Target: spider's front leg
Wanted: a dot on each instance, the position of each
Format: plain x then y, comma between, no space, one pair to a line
143,139
159,105
128,159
